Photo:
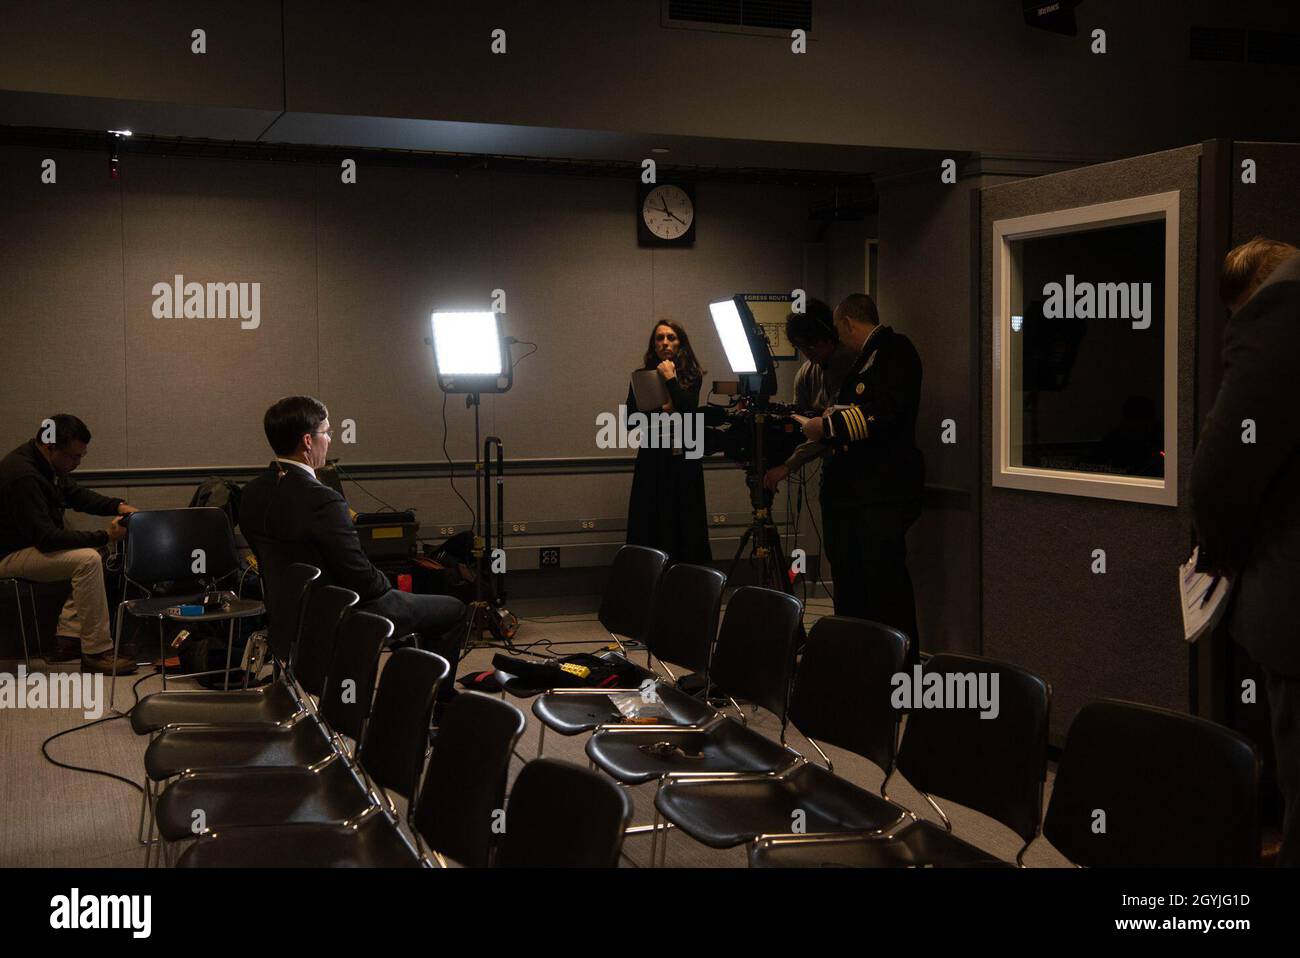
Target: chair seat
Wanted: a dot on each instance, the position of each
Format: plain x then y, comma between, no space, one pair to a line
158,606
920,845
178,750
155,605
374,844
574,714
727,814
236,798
728,746
268,706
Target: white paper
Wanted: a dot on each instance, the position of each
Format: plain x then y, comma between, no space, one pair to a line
1203,598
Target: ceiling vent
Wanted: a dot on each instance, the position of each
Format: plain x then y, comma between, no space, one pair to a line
1229,45
762,17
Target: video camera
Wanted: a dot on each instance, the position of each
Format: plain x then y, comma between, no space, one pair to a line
732,430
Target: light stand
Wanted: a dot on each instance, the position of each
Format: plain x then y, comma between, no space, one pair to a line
472,358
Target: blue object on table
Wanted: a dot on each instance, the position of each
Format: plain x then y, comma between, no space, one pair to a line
191,609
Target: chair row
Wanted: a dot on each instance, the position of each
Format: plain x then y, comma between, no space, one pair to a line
268,776
1136,785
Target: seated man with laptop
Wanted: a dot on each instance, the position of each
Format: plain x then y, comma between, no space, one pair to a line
289,516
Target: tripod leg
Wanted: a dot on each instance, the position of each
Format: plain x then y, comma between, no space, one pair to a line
740,552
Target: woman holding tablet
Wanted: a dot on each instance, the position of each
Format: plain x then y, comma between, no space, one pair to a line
666,510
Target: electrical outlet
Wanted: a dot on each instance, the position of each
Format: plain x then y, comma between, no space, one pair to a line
447,530
720,519
518,527
548,558
588,523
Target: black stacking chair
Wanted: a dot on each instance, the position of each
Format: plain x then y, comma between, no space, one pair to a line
563,816
463,787
754,661
842,697
624,608
160,549
1177,791
389,759
322,610
682,627
344,704
274,704
996,766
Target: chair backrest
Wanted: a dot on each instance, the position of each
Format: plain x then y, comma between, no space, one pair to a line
843,683
563,816
397,736
160,545
353,671
465,783
325,606
625,607
754,659
684,616
1176,791
285,612
995,765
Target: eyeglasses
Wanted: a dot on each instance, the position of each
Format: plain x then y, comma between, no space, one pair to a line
328,434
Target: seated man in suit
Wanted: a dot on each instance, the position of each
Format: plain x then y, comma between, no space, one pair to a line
288,516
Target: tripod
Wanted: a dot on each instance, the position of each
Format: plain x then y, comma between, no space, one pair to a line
763,536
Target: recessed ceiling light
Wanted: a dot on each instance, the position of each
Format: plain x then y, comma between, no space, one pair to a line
120,132
658,149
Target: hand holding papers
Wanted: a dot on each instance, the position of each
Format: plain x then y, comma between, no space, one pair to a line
1204,598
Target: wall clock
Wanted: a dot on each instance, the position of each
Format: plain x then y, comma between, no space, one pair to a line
665,215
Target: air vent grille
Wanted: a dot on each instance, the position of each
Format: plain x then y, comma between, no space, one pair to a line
1229,45
740,15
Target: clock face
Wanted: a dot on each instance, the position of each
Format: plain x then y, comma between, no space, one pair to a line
667,212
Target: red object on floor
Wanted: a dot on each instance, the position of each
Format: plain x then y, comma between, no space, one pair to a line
404,582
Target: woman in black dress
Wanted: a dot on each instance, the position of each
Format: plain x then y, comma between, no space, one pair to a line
666,510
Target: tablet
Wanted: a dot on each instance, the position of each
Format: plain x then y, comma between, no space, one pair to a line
649,390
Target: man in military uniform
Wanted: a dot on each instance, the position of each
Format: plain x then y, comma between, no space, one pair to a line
873,476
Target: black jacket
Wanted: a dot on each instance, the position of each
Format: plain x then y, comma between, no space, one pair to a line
288,516
32,501
1246,496
873,455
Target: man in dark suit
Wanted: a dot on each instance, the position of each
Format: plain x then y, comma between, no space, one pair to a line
1246,490
872,479
288,516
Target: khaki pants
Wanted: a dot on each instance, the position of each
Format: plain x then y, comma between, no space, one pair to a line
85,614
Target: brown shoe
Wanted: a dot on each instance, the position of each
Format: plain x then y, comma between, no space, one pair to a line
103,662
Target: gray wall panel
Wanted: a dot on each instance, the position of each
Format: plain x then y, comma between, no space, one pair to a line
61,313
1269,206
1092,636
197,388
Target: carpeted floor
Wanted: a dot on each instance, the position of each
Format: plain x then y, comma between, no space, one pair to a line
55,817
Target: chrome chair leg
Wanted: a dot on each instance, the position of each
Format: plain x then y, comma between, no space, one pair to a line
162,652
230,650
541,737
144,801
117,644
22,624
